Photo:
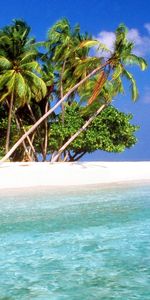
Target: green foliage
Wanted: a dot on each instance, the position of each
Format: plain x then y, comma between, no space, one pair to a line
111,131
19,71
122,57
34,76
3,129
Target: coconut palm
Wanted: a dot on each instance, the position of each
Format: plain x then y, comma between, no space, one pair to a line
50,111
114,68
65,53
121,56
70,58
19,71
45,103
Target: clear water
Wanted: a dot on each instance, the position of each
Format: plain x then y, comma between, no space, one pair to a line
72,245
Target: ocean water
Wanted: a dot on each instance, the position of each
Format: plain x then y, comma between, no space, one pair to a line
76,244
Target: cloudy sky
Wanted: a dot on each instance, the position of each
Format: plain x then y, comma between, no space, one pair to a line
99,18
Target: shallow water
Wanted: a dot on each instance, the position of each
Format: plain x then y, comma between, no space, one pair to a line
90,244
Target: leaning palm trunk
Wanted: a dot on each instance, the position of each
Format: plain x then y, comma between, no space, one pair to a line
51,110
87,123
61,91
31,146
62,105
9,122
27,152
46,134
32,149
19,128
23,143
38,131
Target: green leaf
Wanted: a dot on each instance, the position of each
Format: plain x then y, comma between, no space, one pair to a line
5,63
39,86
89,43
5,78
11,83
117,72
134,89
28,56
133,59
3,96
20,85
31,66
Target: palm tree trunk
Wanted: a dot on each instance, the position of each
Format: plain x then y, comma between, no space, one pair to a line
61,91
9,123
51,110
23,143
46,135
87,123
62,105
19,128
31,146
32,149
38,131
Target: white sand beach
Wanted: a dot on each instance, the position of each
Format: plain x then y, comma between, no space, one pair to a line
19,175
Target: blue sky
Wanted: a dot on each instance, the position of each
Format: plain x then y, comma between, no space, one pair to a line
100,18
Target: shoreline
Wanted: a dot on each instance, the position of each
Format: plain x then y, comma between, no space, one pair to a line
21,175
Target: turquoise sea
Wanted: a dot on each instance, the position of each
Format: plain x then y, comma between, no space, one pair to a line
87,244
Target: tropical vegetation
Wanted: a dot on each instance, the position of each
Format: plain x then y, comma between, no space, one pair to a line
56,95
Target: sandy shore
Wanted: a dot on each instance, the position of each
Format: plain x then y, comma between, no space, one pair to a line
19,175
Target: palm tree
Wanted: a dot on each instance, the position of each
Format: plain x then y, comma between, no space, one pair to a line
114,68
50,111
121,57
45,103
68,50
19,71
70,58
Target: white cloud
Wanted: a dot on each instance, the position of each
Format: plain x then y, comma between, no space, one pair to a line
146,97
107,38
142,42
147,26
134,36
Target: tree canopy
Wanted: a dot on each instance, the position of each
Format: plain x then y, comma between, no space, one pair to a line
56,97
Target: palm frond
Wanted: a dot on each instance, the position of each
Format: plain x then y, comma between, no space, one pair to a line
60,27
20,85
3,96
121,33
118,86
134,89
117,71
86,64
38,85
4,39
5,64
32,66
88,43
28,93
39,44
134,59
28,56
5,78
11,83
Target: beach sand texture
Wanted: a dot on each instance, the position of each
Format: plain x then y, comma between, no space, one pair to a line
18,175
